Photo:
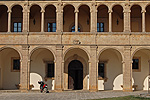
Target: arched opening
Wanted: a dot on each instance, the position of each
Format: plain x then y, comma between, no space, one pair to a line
140,68
9,69
117,19
76,70
50,19
102,19
69,18
110,61
3,18
35,19
147,19
84,18
75,75
42,68
17,19
136,19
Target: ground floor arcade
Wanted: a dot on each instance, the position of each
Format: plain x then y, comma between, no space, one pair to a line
74,67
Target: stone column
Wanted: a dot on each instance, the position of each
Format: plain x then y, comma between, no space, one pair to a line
127,23
76,20
24,69
25,19
58,68
42,20
127,69
93,18
93,69
143,20
9,20
59,18
110,20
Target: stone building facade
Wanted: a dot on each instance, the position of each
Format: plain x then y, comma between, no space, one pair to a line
71,45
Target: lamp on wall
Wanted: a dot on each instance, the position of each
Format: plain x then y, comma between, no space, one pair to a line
117,21
87,21
34,21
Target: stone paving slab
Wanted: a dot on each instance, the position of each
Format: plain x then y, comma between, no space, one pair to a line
66,95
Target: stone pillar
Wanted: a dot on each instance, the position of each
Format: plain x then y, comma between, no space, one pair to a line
25,19
42,20
9,20
59,17
93,18
127,69
93,69
76,20
24,69
110,20
58,68
127,23
143,20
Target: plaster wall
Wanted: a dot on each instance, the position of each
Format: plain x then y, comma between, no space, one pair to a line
141,77
9,78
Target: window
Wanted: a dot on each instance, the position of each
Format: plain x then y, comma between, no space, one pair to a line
51,27
73,29
101,70
50,70
17,27
100,27
15,64
136,64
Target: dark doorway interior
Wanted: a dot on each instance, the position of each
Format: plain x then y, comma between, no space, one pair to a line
75,75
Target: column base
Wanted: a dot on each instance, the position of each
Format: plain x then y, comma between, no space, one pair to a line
93,90
58,90
127,90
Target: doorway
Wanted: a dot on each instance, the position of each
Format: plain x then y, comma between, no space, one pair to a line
75,75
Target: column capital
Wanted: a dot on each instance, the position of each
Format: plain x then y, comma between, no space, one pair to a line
126,11
76,11
110,11
42,11
9,11
59,11
143,11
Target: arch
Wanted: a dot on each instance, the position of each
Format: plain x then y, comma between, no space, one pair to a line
4,5
85,70
34,4
68,4
18,51
88,54
146,6
117,4
36,48
102,5
135,5
138,49
78,7
114,48
15,4
44,7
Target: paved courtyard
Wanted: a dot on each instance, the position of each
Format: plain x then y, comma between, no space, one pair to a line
67,95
